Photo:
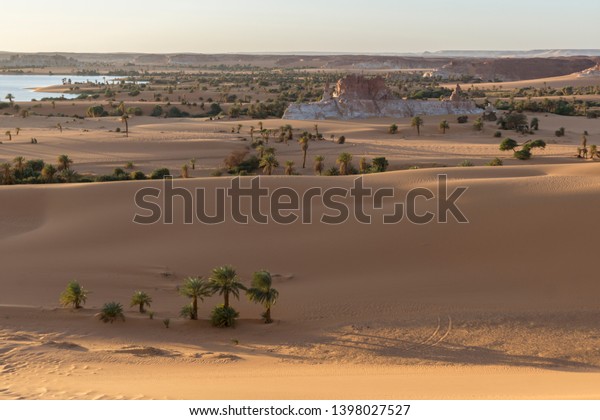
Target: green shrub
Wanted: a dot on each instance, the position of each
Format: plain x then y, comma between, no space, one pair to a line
120,173
157,111
187,311
495,162
508,144
111,312
462,119
137,175
175,112
160,173
523,154
498,134
333,171
137,111
379,164
36,165
466,163
223,317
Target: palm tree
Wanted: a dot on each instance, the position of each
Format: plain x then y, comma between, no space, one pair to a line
64,162
193,163
125,119
59,126
268,163
261,151
10,98
9,134
74,295
261,292
17,130
304,146
317,131
184,171
239,127
7,176
224,280
289,167
417,122
19,164
195,288
444,126
48,173
141,299
252,133
344,161
319,165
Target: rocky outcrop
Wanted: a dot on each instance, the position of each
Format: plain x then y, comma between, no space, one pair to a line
591,72
356,97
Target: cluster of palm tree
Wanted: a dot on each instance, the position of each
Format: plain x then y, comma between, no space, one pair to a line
21,169
223,281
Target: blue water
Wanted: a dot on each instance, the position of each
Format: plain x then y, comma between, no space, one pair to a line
21,86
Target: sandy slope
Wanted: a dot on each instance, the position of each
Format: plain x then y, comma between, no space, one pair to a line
503,307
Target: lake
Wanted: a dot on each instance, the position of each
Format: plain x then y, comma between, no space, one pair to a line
21,86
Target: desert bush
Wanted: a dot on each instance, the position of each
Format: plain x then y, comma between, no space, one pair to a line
495,162
379,164
35,165
462,119
187,312
137,175
120,173
157,111
160,173
560,132
498,134
333,171
393,129
223,317
523,154
137,111
341,140
111,312
535,124
466,163
96,111
175,112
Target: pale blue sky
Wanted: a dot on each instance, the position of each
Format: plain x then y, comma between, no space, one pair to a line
307,25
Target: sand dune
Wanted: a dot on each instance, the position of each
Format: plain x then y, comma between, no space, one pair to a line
503,307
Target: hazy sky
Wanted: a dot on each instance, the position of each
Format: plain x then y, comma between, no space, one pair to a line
294,25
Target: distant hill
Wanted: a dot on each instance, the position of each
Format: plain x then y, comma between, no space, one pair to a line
485,65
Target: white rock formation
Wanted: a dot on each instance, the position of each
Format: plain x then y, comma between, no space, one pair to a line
357,97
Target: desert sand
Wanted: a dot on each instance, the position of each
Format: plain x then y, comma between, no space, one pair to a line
503,307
